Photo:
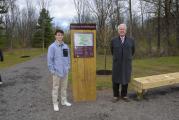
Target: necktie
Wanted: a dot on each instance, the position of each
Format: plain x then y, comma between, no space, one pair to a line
122,39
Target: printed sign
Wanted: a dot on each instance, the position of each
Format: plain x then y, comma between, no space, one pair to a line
83,45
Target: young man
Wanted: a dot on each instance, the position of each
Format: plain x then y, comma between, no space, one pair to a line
1,58
58,59
122,49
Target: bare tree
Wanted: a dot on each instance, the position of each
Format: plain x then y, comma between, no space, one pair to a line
158,32
80,6
102,10
171,8
149,35
31,21
177,22
167,4
83,13
44,4
26,24
175,15
142,10
3,10
115,16
10,21
118,14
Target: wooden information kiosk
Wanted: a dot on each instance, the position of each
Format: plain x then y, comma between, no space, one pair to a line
83,54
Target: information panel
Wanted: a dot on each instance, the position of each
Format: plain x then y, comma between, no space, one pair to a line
83,45
83,61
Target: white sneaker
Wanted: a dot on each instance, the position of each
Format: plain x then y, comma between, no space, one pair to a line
66,103
55,106
1,83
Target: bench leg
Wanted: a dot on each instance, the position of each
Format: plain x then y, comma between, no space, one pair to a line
140,95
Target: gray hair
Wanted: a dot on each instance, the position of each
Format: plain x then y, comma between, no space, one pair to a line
123,24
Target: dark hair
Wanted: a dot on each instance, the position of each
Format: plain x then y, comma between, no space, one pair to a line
59,31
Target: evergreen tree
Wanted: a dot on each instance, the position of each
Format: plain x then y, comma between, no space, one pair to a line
44,33
3,10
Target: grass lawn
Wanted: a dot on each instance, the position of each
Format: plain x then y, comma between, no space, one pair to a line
141,67
14,56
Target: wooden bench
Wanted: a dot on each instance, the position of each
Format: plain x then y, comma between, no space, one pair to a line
140,85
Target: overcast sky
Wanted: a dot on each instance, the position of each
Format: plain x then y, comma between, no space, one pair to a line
63,11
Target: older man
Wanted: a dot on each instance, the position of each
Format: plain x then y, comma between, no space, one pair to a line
122,49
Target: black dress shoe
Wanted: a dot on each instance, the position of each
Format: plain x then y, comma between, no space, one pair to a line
126,99
115,99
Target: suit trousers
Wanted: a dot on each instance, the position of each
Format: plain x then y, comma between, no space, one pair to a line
124,89
62,83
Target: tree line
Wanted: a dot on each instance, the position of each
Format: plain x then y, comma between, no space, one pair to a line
153,24
25,28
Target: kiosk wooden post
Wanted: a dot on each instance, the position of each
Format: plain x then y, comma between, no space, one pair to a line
83,54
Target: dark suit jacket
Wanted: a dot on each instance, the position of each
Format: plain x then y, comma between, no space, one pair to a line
122,59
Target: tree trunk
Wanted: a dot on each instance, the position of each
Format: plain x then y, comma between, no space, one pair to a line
149,38
142,14
167,24
118,12
158,30
130,13
177,23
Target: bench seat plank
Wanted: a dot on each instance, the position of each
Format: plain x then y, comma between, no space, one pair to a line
143,83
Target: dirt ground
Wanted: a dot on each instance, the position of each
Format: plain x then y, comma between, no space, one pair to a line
26,95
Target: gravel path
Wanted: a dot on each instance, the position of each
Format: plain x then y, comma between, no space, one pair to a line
26,95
